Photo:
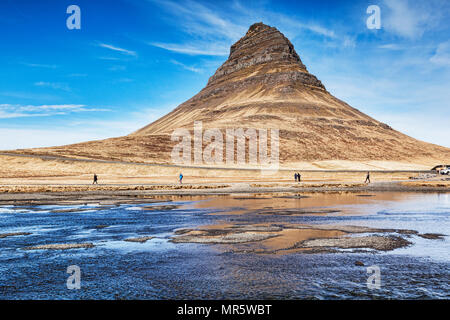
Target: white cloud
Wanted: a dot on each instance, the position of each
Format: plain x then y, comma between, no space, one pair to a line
403,20
202,48
53,85
77,75
197,19
8,111
124,80
213,32
391,46
189,68
109,58
37,65
117,49
442,55
117,68
411,19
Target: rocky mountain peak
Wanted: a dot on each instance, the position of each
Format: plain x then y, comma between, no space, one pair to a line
264,50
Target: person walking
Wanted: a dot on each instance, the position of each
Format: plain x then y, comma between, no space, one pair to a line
367,177
95,179
181,177
299,177
296,176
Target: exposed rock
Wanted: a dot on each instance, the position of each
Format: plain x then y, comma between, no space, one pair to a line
432,236
284,238
240,237
370,242
139,239
289,212
359,263
256,228
72,210
65,246
12,234
161,208
182,231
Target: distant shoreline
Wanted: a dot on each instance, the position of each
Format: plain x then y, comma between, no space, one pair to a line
129,193
200,167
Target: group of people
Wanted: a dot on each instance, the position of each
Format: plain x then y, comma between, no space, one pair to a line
297,177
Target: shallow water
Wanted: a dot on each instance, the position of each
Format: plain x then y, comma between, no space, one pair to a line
160,269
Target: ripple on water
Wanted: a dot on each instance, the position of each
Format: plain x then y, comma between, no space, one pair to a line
160,269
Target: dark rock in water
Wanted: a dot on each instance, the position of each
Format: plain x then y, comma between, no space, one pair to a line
161,208
182,231
432,236
12,234
407,232
359,263
63,246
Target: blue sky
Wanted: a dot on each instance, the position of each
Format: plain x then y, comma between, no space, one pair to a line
133,61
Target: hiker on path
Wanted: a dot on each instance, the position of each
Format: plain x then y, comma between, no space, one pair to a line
296,176
367,178
95,179
181,178
299,177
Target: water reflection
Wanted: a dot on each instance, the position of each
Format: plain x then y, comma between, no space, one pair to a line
160,269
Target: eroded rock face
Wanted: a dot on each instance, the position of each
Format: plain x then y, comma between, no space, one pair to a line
264,49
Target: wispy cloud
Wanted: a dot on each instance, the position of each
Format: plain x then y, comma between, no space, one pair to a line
198,19
38,65
19,111
109,58
442,55
186,67
411,19
124,80
53,85
214,30
117,68
77,75
197,48
117,49
391,46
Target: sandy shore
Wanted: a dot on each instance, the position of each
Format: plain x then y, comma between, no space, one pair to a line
145,193
38,180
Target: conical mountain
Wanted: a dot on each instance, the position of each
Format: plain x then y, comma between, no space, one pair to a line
259,82
264,84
